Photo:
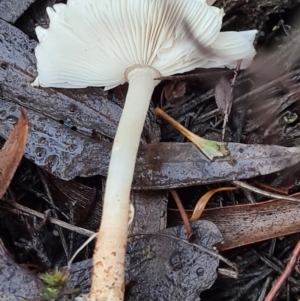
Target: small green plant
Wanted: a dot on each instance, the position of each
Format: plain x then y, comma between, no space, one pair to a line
149,253
54,283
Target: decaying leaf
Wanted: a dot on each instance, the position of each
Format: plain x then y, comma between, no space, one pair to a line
12,152
161,268
223,96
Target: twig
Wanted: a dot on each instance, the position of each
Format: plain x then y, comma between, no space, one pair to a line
288,292
209,114
271,188
263,192
89,233
246,288
264,289
228,273
52,220
228,104
267,283
275,267
285,274
185,219
236,73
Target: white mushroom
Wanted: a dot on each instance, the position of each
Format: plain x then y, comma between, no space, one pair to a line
109,42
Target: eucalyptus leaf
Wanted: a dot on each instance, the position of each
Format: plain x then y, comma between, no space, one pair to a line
11,10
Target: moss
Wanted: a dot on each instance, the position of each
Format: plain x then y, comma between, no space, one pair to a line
54,284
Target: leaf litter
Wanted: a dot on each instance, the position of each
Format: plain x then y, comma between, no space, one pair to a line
161,170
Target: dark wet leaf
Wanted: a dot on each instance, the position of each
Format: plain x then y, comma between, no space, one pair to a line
54,147
67,154
150,211
12,152
171,165
11,10
161,268
16,283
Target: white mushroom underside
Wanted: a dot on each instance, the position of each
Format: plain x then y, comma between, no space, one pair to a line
93,42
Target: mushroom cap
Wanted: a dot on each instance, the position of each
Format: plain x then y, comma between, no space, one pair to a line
94,42
231,46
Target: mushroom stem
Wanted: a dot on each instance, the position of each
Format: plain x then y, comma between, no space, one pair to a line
110,250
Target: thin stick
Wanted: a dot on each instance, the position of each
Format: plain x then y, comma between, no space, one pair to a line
285,274
228,104
228,273
264,288
271,188
210,114
183,130
52,220
185,219
263,192
247,287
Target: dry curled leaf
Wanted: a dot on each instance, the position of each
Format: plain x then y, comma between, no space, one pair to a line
12,152
204,200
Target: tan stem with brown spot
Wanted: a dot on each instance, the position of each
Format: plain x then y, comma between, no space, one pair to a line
109,256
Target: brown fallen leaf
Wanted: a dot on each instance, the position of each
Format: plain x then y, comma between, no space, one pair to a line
12,152
242,225
223,96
